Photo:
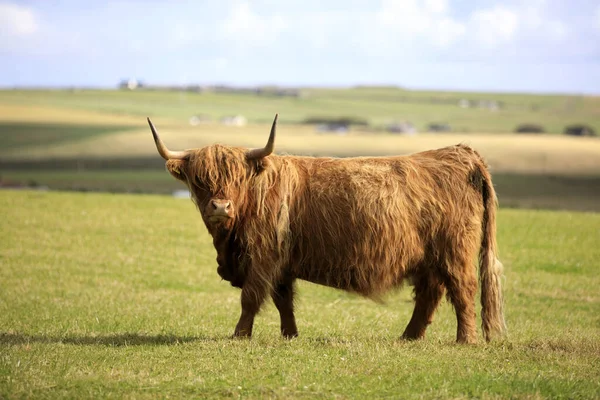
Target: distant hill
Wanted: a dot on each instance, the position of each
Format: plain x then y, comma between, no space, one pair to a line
378,106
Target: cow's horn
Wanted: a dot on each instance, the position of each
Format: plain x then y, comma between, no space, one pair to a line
162,149
255,154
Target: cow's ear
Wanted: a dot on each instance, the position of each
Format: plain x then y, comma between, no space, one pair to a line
176,168
261,164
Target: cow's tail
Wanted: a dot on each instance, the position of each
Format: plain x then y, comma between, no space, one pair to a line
490,268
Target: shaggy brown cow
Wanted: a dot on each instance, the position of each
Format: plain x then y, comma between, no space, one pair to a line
359,224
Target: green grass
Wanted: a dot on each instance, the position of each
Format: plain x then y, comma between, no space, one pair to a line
379,106
117,296
65,139
18,135
122,180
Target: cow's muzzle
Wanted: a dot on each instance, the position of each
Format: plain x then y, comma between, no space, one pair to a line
220,210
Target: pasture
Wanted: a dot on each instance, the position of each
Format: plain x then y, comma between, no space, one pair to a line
117,296
98,139
376,105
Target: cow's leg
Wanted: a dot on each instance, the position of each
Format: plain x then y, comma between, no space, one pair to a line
253,296
428,293
283,297
462,288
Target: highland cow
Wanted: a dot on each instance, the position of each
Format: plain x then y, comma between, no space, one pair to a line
364,225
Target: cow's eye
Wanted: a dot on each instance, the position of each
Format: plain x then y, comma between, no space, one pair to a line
202,189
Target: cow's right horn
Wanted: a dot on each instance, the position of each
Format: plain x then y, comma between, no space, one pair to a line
162,149
256,154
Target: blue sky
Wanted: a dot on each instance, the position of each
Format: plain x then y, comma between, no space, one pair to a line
509,45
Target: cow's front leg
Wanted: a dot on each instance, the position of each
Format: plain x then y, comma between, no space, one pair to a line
253,296
283,297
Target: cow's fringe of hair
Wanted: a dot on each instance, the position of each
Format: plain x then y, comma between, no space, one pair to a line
261,197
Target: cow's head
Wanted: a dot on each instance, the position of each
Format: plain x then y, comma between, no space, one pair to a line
219,178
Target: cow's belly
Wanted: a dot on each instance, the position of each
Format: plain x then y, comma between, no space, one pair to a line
364,278
356,251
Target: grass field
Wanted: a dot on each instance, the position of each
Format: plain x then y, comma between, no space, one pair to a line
378,106
58,124
548,154
99,139
90,150
106,296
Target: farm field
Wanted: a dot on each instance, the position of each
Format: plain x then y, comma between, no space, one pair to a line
98,140
539,154
376,105
107,295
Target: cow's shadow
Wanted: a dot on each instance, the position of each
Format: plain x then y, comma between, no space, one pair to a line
111,340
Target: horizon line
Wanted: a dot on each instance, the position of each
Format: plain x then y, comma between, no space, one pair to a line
307,86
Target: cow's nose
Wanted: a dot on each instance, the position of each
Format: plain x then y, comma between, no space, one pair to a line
221,207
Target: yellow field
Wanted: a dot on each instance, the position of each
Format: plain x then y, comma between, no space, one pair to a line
547,154
37,114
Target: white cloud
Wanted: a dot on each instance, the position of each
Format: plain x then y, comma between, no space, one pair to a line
391,27
25,31
408,20
494,26
403,15
436,6
322,29
535,17
447,31
245,25
598,18
556,29
16,20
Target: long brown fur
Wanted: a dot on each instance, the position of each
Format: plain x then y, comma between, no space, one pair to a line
363,225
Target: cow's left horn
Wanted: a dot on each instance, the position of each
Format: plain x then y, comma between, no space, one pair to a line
162,149
255,154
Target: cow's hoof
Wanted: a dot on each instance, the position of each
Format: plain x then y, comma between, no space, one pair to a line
289,335
242,335
409,337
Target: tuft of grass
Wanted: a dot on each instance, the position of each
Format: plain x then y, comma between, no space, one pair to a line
117,296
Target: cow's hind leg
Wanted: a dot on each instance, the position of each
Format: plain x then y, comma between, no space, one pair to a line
462,288
253,296
283,297
428,293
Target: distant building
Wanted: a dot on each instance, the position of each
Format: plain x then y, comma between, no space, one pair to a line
234,120
199,119
491,105
435,127
130,84
464,103
405,127
277,91
338,128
